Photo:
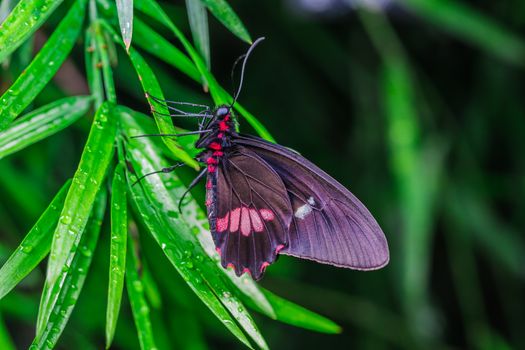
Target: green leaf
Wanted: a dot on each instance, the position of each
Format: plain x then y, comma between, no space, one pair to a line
151,87
178,241
137,299
80,198
472,26
23,21
117,257
296,315
224,13
198,18
42,122
93,73
44,65
34,247
73,278
125,19
219,95
101,48
152,42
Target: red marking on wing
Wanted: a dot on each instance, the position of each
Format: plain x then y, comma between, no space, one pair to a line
220,135
247,270
211,168
245,219
218,250
208,202
208,185
279,248
230,265
218,154
211,160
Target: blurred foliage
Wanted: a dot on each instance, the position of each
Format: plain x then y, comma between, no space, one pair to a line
415,105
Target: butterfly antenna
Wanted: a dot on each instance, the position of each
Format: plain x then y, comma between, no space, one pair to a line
245,57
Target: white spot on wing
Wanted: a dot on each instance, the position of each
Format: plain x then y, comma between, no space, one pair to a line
305,209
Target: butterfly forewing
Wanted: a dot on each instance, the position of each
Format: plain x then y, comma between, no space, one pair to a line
249,211
328,223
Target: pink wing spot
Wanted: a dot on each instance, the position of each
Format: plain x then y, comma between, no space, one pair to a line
267,214
208,202
245,219
211,168
264,266
256,221
279,248
211,160
221,135
208,185
247,270
246,226
218,250
218,154
230,266
235,217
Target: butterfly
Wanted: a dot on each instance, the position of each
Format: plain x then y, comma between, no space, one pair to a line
264,200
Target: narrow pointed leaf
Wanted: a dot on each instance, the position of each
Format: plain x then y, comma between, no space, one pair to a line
224,13
34,247
43,67
92,168
151,87
73,278
150,41
178,241
125,19
296,315
137,299
23,21
219,95
198,18
117,257
93,73
102,51
42,122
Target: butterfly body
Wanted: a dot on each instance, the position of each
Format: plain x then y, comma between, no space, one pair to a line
264,200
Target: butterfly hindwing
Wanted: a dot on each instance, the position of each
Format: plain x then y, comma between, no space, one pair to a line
249,211
329,224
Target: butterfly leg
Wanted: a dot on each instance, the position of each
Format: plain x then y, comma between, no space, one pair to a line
192,184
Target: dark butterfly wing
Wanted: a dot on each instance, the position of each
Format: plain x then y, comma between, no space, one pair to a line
329,224
249,212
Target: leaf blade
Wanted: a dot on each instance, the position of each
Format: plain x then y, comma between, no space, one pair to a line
43,67
225,14
42,122
73,280
34,247
118,244
139,305
80,199
125,19
24,20
198,19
